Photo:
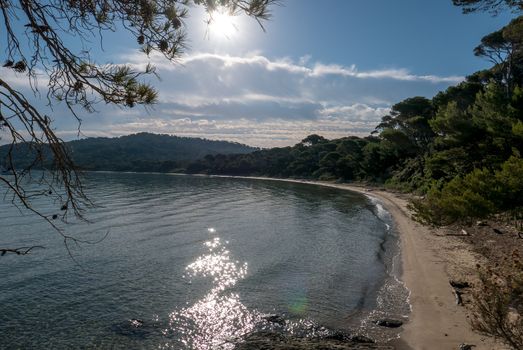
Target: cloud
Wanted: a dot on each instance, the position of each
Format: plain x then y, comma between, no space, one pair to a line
394,74
358,111
255,99
301,67
268,133
22,80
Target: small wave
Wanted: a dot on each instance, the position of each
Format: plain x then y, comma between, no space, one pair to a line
392,301
380,212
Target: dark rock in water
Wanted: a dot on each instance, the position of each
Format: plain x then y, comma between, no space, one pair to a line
481,223
275,319
266,335
338,335
136,322
133,328
459,284
361,339
389,323
346,337
267,340
464,346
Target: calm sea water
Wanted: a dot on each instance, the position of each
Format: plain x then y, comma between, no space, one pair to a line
193,263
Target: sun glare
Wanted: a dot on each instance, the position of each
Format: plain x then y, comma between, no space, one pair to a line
222,24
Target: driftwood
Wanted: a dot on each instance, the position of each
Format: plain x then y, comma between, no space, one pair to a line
459,299
463,232
464,346
18,251
457,286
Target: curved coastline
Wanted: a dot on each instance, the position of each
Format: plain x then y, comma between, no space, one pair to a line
429,259
435,322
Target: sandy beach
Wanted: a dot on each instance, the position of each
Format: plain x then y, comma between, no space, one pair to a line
430,258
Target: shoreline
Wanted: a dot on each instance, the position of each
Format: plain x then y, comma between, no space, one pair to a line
435,322
429,260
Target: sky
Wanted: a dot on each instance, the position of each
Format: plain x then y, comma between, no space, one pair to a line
330,67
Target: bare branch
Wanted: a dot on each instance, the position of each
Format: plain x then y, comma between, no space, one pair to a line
38,36
19,251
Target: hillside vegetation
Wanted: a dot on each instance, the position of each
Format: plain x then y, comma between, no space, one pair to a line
138,152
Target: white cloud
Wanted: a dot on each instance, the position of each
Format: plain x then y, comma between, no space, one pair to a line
288,65
256,100
320,69
21,80
356,111
278,129
395,74
269,133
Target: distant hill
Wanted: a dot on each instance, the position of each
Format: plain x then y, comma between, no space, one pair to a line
138,152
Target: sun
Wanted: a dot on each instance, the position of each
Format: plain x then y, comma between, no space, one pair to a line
222,24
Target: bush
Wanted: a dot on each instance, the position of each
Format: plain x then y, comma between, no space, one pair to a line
477,195
498,303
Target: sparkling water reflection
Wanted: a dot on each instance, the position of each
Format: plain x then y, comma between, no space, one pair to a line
214,321
161,279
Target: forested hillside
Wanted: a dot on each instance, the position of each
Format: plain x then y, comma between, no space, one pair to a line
138,152
462,148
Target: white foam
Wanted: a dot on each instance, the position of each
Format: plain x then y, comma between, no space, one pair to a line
381,212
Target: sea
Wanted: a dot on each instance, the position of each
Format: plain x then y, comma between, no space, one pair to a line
165,261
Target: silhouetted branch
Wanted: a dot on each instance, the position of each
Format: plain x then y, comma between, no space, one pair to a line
19,251
36,41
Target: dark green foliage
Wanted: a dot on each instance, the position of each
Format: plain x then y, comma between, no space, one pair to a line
463,94
312,140
446,164
410,119
476,195
315,157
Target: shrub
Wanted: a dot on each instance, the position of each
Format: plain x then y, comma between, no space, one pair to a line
498,303
477,195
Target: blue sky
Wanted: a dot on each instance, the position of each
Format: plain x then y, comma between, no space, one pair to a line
331,67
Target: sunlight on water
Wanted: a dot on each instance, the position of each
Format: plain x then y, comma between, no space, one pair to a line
218,265
317,260
218,318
